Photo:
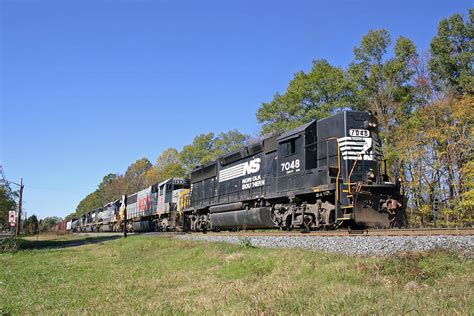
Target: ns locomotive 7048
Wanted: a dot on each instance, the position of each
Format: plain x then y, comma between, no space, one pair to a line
325,173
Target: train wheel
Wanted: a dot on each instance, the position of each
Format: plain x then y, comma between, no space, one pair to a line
308,222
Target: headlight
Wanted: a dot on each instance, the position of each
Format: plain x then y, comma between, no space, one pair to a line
370,124
371,175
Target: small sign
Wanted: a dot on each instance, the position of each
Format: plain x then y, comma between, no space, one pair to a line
11,218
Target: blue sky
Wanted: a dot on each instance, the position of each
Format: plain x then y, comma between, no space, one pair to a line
88,87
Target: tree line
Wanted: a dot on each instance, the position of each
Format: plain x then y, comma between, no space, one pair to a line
33,225
425,106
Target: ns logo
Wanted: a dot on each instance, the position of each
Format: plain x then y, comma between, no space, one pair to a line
252,166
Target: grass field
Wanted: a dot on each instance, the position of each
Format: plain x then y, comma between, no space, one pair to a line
157,275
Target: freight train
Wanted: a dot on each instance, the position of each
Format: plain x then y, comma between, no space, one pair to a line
325,174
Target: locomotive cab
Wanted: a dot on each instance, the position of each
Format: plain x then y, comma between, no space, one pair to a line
296,159
167,187
170,199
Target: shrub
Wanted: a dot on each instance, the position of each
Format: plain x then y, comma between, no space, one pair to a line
8,244
246,242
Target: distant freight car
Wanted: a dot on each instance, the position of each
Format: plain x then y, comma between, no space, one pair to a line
60,227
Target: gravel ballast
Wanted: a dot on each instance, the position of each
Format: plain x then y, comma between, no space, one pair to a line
353,245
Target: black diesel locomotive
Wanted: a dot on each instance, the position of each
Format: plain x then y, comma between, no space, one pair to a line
322,174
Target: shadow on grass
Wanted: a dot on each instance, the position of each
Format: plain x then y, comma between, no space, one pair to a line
56,244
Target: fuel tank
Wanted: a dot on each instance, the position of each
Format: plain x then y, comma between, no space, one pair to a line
254,218
143,226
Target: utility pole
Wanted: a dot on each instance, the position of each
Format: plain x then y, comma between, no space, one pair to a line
123,214
25,223
435,211
19,208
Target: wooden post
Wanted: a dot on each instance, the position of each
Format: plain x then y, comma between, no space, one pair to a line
123,210
19,208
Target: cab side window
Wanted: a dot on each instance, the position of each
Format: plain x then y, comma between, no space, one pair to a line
289,147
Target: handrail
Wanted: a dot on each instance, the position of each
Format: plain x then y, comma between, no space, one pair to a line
353,167
352,170
338,172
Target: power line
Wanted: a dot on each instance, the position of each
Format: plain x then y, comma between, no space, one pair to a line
4,180
67,188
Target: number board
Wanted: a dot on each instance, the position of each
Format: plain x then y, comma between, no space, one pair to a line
359,133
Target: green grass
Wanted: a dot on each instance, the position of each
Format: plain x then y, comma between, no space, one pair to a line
157,275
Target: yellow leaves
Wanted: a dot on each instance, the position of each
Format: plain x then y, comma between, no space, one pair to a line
436,147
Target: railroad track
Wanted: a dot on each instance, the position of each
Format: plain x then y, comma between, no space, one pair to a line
324,233
367,232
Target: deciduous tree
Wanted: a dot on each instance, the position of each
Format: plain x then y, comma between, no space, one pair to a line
168,165
310,96
7,203
452,55
32,224
199,152
48,222
135,175
229,141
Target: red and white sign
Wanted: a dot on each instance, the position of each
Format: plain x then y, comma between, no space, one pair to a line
11,218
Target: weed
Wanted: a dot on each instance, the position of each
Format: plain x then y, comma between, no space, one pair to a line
8,244
246,243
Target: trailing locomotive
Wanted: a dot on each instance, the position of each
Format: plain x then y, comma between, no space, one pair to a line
156,208
323,174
